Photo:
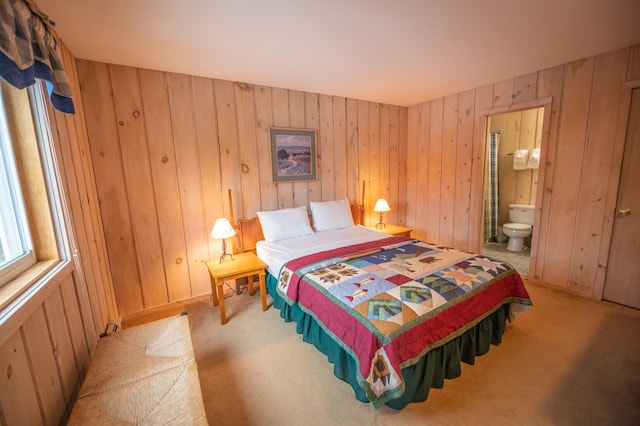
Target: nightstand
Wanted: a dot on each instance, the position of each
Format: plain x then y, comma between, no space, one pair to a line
396,230
243,265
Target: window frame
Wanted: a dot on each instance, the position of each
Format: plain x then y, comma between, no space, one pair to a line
49,222
16,233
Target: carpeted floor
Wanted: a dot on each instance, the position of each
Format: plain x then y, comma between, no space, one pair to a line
567,361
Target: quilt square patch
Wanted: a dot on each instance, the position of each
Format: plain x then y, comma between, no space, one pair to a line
359,289
445,288
493,267
414,294
383,310
399,279
332,275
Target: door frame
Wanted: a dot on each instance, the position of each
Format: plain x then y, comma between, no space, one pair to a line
619,141
546,104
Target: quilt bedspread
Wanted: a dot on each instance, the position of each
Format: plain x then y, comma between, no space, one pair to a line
389,302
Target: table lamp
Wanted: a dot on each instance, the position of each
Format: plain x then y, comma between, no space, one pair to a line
222,230
381,206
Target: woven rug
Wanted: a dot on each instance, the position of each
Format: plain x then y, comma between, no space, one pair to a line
143,375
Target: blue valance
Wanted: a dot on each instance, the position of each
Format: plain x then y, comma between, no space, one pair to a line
28,51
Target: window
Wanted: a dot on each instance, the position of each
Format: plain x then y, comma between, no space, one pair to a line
34,241
16,248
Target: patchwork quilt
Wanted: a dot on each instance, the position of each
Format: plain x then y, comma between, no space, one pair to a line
389,302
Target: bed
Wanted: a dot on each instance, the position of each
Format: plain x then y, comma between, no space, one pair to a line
395,315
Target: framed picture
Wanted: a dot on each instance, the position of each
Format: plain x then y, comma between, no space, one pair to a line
293,154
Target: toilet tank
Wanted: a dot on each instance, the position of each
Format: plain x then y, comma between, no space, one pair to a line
521,213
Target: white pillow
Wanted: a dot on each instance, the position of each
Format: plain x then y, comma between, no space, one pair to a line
329,215
284,224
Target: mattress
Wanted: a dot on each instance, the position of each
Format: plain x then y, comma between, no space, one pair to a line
276,254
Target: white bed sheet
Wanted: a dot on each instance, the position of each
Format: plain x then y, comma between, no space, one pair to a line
276,254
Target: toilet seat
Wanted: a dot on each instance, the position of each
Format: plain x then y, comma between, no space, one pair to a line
517,226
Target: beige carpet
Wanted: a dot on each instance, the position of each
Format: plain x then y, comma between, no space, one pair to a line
567,361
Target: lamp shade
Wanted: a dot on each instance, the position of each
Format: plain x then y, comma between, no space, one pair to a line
381,206
222,229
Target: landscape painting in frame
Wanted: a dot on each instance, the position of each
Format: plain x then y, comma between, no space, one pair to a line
293,154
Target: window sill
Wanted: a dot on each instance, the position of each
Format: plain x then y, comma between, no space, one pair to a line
14,288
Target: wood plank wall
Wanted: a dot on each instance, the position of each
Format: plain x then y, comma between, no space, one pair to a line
166,148
580,159
46,346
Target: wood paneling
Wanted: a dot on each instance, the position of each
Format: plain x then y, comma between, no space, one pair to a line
168,146
46,344
431,196
19,397
610,72
43,367
114,205
572,231
463,170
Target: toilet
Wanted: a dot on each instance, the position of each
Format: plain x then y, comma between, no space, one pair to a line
521,217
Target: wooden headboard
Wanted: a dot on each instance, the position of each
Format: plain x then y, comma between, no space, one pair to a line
249,231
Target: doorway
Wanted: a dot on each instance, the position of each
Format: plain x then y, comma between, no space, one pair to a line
514,143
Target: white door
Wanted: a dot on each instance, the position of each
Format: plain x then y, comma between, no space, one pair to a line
622,283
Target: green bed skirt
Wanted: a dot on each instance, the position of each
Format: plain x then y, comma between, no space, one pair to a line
429,372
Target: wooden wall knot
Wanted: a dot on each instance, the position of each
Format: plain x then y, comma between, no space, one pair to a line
178,261
244,167
245,87
9,371
136,114
165,159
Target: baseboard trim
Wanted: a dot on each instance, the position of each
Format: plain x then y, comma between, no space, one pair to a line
158,312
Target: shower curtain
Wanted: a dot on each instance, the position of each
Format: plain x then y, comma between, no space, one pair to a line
492,191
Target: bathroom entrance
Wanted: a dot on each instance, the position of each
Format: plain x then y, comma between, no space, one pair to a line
513,144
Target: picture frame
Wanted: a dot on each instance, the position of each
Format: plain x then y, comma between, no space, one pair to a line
293,154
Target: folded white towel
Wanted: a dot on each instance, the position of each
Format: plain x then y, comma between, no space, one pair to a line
534,159
520,159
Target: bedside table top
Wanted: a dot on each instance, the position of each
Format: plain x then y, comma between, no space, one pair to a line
393,230
241,263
